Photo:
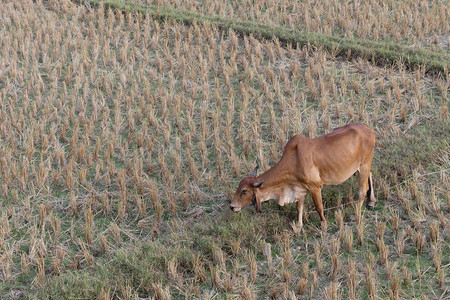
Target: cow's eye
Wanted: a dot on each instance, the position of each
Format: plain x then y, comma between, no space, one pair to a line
243,192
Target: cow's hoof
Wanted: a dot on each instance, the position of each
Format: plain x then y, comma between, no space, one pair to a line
369,207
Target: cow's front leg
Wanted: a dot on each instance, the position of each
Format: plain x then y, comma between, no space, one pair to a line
300,203
317,197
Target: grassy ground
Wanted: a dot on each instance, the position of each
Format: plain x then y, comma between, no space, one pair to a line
421,24
123,138
233,246
383,52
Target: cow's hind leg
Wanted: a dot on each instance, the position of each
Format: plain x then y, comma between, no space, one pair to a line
317,197
364,178
370,194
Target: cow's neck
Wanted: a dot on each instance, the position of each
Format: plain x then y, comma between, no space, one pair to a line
276,179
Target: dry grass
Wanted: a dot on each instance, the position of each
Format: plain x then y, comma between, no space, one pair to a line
116,129
422,23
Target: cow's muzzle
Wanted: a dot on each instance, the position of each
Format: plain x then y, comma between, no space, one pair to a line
235,209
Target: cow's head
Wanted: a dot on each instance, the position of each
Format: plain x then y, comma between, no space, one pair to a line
246,193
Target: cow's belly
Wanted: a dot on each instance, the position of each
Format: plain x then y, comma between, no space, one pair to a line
338,177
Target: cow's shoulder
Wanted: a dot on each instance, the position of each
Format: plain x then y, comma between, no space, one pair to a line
297,144
296,141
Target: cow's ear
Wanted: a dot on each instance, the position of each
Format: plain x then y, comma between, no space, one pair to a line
257,185
255,171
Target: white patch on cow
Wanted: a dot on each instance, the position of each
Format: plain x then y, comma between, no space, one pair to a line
284,195
290,195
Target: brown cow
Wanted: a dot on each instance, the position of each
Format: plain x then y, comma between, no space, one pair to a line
307,165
